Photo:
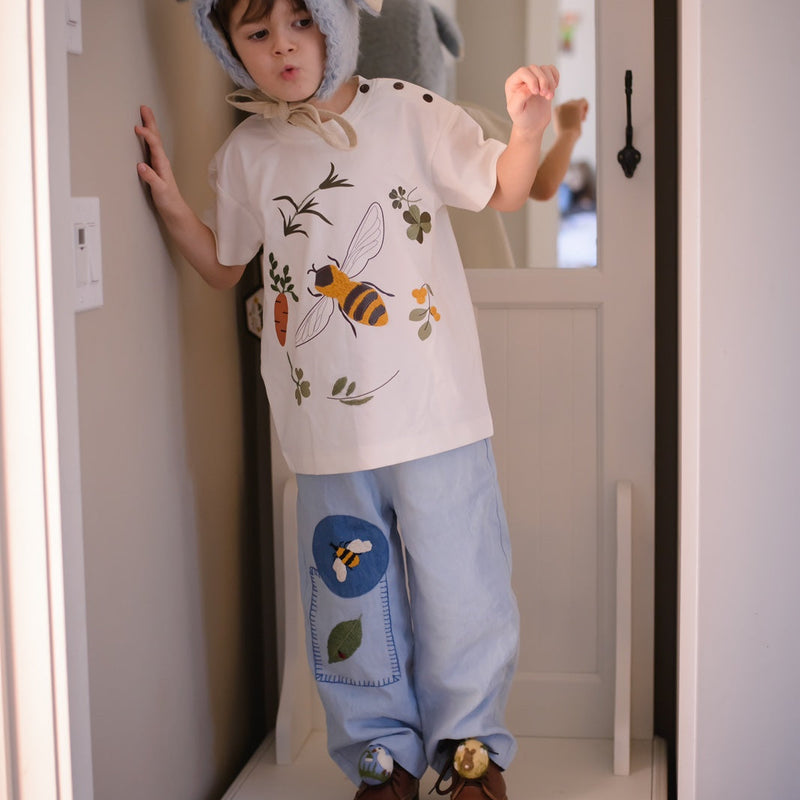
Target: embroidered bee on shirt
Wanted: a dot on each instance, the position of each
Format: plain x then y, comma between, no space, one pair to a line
358,301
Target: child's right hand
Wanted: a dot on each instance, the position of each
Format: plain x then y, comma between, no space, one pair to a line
158,173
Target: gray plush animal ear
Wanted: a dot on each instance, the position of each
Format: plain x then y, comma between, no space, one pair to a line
372,6
449,32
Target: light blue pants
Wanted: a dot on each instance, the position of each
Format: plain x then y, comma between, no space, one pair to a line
412,626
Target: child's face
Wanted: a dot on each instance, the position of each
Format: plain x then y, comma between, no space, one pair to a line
284,52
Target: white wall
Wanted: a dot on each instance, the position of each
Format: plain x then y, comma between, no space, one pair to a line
174,677
740,549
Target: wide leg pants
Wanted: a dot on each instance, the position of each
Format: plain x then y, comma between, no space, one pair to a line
412,625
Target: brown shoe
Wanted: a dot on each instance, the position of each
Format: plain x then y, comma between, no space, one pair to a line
490,786
401,785
472,774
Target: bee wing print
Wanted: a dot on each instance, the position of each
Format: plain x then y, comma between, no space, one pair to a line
340,569
315,321
359,546
366,243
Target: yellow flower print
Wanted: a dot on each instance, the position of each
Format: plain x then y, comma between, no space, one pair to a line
424,315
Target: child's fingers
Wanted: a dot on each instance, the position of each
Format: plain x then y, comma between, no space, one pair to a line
535,80
150,177
547,77
554,74
148,130
156,154
152,137
148,117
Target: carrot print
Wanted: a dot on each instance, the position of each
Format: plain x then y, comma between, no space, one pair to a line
283,285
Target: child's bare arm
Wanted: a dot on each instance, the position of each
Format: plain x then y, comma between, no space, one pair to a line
194,239
567,121
529,93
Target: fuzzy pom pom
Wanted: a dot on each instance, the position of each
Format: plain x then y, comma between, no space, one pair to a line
471,759
375,765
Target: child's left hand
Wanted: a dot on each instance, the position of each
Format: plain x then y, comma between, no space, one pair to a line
529,95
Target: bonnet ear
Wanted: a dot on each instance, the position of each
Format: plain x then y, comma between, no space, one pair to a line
449,32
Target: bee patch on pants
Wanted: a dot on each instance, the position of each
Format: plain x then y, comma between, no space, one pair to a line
351,554
351,638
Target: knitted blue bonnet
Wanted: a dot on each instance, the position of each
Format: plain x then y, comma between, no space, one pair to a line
337,20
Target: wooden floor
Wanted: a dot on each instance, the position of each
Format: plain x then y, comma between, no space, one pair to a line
544,769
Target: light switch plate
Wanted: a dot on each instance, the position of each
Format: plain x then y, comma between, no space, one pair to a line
87,253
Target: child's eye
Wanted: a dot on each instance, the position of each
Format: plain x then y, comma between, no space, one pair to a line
304,22
259,35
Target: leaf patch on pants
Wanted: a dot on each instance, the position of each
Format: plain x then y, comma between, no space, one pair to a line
344,640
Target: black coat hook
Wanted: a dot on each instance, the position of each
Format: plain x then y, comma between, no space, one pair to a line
629,156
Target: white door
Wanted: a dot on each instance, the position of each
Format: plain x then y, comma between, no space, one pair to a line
569,361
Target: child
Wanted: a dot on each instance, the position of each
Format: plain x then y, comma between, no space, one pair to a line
374,377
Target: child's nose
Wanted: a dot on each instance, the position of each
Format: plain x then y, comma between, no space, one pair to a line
283,42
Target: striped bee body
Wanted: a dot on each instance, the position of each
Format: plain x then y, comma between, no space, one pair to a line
346,556
336,284
361,302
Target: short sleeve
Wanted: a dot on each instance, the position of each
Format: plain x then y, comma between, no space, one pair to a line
464,163
238,233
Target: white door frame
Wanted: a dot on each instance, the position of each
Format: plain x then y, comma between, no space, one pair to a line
45,747
689,120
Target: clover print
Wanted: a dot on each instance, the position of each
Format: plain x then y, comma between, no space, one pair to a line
419,222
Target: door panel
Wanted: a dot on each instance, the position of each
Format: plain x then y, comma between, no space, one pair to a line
544,392
568,356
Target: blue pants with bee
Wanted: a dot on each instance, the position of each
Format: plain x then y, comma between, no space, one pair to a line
412,625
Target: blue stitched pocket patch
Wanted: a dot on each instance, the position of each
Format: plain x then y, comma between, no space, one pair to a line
351,638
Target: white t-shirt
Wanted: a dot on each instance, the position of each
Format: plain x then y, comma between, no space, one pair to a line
374,357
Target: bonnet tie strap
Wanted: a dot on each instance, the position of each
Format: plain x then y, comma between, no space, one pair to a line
300,113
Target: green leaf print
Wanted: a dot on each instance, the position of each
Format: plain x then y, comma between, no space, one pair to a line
349,399
344,640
